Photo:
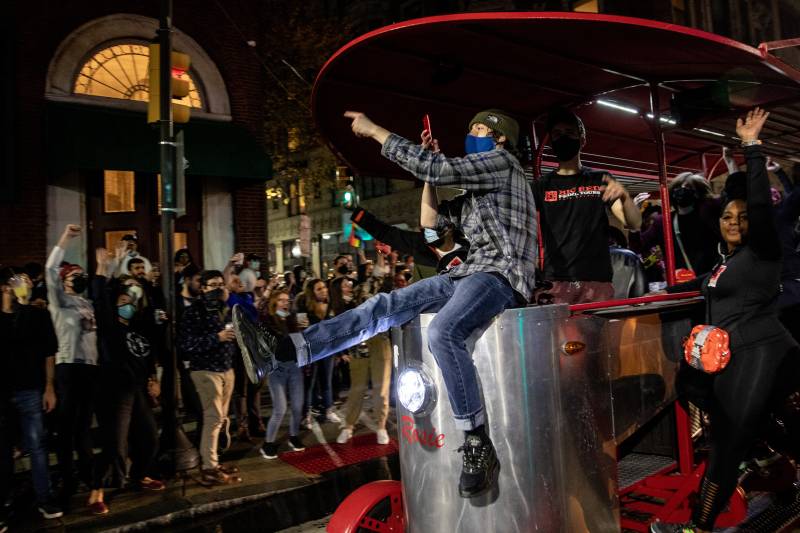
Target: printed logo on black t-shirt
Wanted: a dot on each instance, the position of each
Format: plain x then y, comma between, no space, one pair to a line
138,345
584,191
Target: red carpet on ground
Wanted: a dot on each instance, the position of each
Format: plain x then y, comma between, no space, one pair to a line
326,457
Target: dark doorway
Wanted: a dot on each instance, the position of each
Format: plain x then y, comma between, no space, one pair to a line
121,201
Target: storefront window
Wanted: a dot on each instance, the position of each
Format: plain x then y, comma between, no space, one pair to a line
119,191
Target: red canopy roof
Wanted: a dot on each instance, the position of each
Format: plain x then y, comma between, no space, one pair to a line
452,66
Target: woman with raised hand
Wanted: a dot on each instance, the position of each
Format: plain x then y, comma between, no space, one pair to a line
742,287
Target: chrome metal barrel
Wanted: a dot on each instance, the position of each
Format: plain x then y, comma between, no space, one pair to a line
550,414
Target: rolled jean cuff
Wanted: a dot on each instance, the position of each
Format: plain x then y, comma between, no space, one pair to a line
468,422
301,349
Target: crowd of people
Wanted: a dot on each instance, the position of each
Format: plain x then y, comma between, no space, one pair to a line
87,348
85,351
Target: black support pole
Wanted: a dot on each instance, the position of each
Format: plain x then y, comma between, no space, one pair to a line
167,149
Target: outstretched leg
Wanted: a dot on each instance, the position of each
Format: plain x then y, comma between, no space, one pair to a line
374,316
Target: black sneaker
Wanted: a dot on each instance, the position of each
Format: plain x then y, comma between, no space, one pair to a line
666,527
480,463
269,450
295,444
49,510
256,343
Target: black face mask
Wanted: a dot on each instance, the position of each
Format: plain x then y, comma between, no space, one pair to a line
212,299
343,270
684,197
408,275
566,148
79,284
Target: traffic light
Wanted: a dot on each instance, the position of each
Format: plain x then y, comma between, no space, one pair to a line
347,196
345,192
179,88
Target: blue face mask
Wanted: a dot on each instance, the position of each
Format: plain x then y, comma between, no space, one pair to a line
126,311
431,235
474,145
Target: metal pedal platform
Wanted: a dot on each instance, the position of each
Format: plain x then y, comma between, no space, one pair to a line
772,516
634,467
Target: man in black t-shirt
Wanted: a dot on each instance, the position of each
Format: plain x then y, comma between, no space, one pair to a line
572,202
26,387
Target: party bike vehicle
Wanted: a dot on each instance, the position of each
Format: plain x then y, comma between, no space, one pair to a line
581,399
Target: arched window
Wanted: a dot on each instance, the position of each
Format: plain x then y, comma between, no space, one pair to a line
120,71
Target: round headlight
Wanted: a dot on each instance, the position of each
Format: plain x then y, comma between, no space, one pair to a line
415,389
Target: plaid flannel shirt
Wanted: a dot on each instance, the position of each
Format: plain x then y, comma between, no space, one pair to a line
496,213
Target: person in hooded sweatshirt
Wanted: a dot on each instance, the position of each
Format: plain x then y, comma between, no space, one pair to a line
127,345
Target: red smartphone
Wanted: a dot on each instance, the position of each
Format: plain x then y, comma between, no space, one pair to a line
426,124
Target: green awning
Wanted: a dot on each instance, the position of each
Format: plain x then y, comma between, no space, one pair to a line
82,137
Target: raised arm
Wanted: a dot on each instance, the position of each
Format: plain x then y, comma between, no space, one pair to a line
485,171
105,308
55,288
407,242
429,207
762,235
236,259
481,172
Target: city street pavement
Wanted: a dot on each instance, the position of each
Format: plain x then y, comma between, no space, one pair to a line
272,496
315,526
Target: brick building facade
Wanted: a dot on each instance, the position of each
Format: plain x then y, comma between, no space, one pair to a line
47,170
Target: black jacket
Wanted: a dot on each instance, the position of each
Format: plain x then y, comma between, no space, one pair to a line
408,242
746,283
127,352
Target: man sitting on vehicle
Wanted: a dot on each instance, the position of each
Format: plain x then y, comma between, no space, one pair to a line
572,202
497,214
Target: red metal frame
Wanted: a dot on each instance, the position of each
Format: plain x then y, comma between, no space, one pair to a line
714,168
665,496
577,308
764,48
352,515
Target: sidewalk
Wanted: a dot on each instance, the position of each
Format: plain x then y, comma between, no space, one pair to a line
272,496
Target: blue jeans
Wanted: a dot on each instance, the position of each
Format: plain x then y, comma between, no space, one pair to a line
28,404
286,377
320,387
462,306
